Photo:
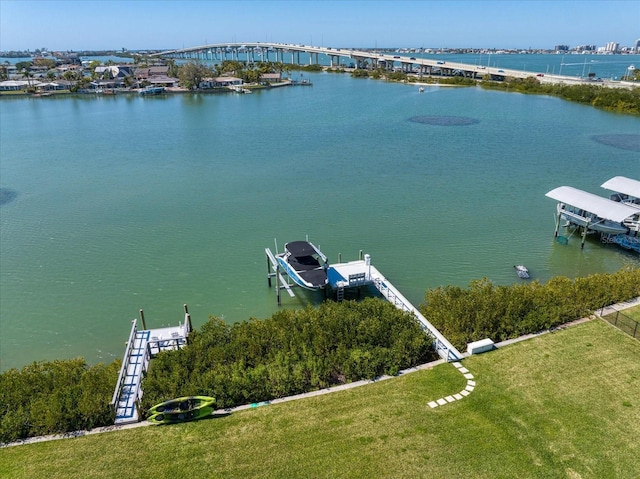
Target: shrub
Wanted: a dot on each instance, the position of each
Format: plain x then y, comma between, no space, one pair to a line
55,397
502,312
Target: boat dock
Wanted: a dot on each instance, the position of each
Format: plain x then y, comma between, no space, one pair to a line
142,345
359,273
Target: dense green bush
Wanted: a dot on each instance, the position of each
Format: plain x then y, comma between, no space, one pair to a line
290,353
360,73
613,99
55,397
298,351
484,310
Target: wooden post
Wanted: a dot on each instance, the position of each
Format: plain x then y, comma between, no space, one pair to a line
144,324
584,234
186,310
558,222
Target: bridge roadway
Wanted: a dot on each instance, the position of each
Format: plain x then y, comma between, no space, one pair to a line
360,59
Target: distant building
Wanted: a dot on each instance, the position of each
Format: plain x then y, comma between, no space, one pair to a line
115,71
148,72
612,47
561,48
636,47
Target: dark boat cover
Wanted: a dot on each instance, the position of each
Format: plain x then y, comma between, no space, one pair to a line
303,259
300,248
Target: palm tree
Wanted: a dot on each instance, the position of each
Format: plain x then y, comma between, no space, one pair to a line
28,75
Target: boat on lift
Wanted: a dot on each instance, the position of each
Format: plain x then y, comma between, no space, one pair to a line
626,191
593,212
305,264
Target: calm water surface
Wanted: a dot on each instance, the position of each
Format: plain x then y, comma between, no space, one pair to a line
128,202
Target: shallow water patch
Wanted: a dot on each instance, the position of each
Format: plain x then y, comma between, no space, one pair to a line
444,120
7,195
624,142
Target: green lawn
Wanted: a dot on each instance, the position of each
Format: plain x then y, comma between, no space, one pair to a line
561,405
633,313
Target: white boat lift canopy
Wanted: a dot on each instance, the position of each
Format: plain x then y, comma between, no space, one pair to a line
601,207
621,184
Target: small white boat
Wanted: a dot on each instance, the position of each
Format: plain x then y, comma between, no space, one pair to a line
305,264
421,89
522,271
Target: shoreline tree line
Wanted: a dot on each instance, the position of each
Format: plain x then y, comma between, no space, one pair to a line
191,73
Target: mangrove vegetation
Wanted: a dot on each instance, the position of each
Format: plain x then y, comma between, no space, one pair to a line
298,351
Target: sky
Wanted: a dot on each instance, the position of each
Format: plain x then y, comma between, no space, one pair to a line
168,24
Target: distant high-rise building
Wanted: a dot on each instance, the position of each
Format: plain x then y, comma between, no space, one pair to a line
612,47
561,48
636,47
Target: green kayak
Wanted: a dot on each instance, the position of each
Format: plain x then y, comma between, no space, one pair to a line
183,404
176,417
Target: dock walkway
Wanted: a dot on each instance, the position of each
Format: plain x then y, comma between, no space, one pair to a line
141,347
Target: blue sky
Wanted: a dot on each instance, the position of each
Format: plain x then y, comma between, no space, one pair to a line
160,24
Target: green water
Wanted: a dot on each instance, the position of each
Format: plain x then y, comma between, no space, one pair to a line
131,202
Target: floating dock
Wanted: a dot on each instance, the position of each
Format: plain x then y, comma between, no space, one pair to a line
143,344
355,274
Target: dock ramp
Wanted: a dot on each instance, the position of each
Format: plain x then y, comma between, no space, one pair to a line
142,346
134,363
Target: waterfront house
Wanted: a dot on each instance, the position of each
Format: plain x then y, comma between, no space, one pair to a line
146,73
163,80
50,86
14,85
219,82
267,78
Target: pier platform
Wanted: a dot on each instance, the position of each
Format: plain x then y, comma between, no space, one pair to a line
142,346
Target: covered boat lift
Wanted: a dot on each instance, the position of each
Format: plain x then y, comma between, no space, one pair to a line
626,190
597,213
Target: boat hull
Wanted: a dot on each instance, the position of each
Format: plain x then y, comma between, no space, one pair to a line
602,226
301,262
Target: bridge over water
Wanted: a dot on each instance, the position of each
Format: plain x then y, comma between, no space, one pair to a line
339,57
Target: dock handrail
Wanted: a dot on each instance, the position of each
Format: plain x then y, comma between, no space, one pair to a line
125,361
442,346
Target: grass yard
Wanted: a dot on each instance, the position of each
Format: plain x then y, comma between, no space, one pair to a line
561,405
633,313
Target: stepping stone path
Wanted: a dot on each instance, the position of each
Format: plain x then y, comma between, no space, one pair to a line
471,384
